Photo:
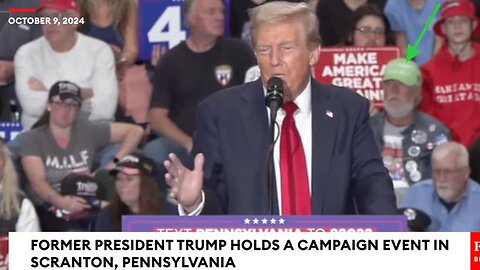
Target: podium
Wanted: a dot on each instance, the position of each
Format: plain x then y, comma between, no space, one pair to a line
261,223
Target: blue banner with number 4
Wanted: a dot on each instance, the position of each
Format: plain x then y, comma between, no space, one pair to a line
161,23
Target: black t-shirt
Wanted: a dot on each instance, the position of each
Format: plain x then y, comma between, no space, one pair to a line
336,18
184,78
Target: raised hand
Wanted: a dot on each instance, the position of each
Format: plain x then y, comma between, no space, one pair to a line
186,184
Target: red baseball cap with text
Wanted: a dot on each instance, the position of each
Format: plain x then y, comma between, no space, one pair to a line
451,8
60,5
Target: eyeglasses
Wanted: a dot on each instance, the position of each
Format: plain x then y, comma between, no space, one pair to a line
67,105
369,30
447,172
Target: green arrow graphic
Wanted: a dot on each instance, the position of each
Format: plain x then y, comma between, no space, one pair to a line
412,51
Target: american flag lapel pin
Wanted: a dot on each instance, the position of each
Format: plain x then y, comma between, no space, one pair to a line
329,113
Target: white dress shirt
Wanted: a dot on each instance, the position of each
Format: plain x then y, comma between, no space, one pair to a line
303,122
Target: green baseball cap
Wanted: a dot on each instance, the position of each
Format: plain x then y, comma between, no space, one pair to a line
404,71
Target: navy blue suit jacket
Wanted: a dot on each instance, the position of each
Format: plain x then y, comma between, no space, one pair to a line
348,175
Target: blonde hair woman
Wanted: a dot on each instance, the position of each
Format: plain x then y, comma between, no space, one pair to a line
17,213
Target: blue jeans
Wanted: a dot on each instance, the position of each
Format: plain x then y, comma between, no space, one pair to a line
106,154
14,147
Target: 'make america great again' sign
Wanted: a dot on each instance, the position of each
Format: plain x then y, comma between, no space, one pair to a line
358,68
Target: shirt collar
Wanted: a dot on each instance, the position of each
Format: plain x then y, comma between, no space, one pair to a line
463,197
303,101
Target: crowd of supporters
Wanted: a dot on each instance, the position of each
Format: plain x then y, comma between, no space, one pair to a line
98,123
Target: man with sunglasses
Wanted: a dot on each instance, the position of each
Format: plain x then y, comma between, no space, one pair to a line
451,198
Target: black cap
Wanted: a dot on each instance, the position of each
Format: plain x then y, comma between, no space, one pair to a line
418,221
82,186
133,164
63,90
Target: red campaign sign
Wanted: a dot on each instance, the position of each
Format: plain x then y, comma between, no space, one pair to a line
4,253
475,251
358,68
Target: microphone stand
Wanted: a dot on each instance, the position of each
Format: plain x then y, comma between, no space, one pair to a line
271,166
273,100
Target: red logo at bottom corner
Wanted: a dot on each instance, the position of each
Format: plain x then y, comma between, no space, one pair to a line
4,253
475,251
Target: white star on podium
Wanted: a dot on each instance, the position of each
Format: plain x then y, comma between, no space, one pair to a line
281,221
273,221
255,221
247,221
264,221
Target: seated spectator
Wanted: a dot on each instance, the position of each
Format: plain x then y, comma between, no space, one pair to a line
451,78
451,199
64,54
136,193
13,36
116,23
203,64
369,28
17,213
408,18
336,17
405,136
60,144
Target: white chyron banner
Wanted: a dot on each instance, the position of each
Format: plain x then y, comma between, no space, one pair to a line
237,250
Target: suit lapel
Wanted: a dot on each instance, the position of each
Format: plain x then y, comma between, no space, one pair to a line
324,126
254,119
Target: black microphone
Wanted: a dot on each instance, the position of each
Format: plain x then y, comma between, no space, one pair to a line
274,97
418,221
273,100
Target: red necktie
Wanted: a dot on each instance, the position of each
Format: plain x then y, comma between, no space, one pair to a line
293,167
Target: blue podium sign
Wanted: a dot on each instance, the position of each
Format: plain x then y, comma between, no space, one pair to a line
264,224
162,22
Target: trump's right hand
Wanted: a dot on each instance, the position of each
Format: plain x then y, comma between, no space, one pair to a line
185,184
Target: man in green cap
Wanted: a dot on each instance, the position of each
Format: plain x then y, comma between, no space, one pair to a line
405,136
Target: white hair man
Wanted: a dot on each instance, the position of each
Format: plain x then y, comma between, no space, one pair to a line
405,136
451,198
